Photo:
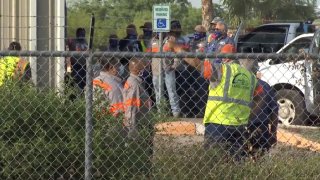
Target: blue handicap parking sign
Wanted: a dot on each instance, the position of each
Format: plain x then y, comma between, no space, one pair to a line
161,23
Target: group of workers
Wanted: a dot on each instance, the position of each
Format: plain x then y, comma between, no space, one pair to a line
239,107
130,99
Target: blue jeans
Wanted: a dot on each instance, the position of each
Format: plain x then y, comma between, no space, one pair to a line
170,81
229,138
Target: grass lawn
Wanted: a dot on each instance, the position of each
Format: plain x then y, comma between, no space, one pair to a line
179,157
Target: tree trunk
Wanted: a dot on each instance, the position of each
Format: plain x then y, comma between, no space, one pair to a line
207,13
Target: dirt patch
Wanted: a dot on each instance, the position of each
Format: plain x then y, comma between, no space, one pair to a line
181,133
297,140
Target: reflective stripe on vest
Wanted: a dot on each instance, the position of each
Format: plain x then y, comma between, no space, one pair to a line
225,97
104,86
155,49
116,108
224,109
144,48
133,102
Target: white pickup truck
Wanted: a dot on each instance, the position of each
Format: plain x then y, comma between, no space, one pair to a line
297,81
269,38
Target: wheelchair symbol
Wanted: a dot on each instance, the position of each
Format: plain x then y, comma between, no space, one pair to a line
161,23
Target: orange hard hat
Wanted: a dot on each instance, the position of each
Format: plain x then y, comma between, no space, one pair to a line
228,48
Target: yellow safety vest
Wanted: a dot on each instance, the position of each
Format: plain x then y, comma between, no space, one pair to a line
11,67
7,68
230,102
144,48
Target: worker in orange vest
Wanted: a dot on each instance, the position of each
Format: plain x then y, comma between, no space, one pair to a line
137,102
168,68
107,87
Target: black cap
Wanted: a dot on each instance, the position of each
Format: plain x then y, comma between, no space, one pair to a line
147,26
175,26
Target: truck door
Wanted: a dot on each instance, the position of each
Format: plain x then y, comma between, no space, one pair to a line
315,73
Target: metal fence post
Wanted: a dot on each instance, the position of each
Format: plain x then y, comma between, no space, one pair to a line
160,69
89,117
89,104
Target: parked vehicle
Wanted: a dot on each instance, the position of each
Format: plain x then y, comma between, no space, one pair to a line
295,80
269,38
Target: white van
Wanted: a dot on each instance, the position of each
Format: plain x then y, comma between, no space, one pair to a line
296,85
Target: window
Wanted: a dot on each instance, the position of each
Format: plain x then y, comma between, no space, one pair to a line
302,43
316,43
265,39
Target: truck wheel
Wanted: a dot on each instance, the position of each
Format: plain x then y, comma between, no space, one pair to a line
292,108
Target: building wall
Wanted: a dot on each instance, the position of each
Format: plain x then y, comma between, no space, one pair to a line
14,22
37,25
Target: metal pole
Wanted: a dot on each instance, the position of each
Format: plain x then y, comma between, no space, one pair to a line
93,20
160,69
89,104
89,127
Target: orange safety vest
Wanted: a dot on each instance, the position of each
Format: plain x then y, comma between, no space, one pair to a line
20,68
115,107
132,101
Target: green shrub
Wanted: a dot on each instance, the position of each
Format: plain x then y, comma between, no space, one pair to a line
43,133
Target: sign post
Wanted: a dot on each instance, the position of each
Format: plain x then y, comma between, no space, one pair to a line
161,23
161,18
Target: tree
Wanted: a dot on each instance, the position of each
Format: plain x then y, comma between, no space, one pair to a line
207,13
112,16
274,10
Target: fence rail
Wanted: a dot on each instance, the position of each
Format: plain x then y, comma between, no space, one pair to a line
156,55
77,135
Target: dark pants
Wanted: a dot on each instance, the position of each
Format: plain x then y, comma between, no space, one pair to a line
192,89
259,136
148,85
230,138
78,74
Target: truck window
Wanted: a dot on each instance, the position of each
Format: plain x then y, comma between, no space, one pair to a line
265,39
316,43
302,43
305,28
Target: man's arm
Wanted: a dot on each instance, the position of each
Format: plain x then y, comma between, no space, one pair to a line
208,69
194,62
132,103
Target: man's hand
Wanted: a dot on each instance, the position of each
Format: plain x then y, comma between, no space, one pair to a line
171,42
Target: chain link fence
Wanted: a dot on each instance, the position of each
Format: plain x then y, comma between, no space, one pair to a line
118,116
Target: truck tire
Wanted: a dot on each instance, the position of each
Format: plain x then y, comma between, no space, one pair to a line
292,108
